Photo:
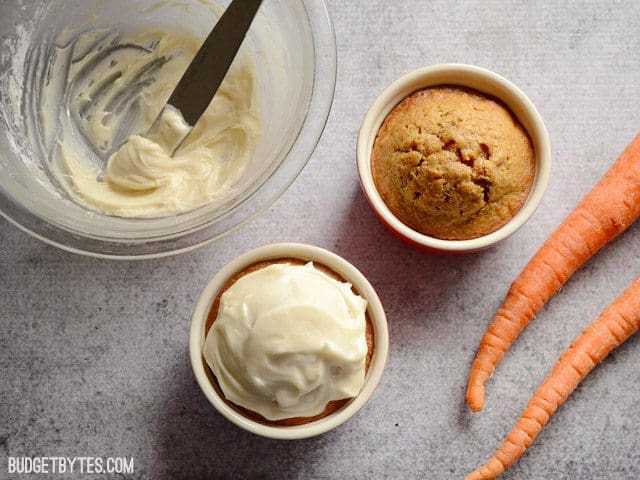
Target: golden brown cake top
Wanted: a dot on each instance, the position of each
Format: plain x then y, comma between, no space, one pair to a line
453,163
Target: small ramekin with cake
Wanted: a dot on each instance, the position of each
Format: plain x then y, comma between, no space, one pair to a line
288,341
453,158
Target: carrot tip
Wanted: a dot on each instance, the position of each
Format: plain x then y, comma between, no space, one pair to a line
475,397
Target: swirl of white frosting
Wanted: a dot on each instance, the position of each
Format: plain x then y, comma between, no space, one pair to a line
287,340
144,177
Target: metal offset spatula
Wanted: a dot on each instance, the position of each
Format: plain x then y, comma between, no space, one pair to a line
207,70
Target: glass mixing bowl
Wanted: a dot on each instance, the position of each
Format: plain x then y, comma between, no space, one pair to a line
292,44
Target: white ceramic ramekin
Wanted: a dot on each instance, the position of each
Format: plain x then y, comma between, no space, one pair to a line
306,253
471,77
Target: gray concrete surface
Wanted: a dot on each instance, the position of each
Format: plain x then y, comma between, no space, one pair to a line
93,354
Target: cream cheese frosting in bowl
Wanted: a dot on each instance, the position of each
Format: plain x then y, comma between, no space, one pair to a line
288,341
142,178
75,83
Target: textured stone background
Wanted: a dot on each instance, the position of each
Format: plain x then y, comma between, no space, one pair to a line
93,354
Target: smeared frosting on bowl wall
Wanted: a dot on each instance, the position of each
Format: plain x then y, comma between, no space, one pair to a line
287,340
116,84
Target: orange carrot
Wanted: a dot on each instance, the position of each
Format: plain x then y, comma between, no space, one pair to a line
604,213
616,324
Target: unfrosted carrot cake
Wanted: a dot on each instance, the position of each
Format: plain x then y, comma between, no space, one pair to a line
453,163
